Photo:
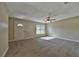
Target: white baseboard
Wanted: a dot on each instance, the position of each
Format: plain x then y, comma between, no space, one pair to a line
68,39
5,52
26,38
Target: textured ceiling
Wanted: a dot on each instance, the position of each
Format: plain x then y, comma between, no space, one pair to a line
37,11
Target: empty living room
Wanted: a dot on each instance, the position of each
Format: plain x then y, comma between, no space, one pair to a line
39,29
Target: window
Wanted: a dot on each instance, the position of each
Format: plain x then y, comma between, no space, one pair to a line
40,29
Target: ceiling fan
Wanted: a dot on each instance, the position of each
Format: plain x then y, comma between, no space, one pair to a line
49,18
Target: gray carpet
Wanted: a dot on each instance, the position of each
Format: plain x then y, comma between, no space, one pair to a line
43,48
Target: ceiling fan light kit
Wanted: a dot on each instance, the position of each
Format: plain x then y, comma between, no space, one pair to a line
49,19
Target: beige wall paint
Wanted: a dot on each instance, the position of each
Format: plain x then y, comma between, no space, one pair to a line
3,29
67,28
27,31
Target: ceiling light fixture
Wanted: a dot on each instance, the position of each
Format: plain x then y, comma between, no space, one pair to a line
49,18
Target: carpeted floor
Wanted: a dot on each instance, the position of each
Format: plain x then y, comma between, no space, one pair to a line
43,48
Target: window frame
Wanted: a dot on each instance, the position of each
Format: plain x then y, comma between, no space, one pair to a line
41,28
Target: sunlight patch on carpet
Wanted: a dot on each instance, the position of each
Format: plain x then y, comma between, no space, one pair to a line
47,38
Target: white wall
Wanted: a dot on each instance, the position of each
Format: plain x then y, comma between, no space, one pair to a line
67,28
3,29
